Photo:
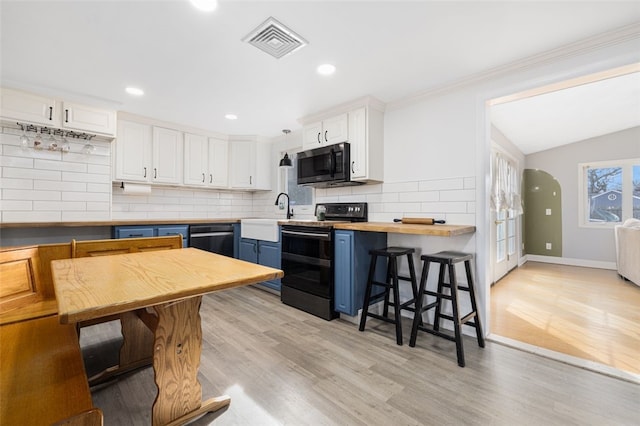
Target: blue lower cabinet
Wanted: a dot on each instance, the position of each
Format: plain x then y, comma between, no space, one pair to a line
136,231
162,231
265,253
133,231
351,266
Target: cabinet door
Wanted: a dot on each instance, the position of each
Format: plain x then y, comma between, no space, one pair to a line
248,250
358,143
343,272
183,230
335,130
133,152
270,254
311,136
88,119
218,163
128,232
167,156
243,164
196,153
21,106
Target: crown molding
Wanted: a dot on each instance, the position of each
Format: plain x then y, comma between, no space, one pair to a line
621,35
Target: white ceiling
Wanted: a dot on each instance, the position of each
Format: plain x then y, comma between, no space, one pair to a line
194,67
561,117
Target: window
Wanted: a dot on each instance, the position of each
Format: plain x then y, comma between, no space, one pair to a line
609,192
299,196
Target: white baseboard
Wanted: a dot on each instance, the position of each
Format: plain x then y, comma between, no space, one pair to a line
571,262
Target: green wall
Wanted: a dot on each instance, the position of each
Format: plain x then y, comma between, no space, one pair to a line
541,192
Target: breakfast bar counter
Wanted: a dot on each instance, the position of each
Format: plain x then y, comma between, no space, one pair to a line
404,228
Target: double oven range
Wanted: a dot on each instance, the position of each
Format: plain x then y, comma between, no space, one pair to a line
307,259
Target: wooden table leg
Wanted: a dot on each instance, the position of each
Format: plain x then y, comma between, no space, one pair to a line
136,350
176,359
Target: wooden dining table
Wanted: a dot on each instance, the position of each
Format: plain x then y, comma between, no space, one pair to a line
160,290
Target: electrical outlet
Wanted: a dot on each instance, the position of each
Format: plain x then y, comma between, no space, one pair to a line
548,246
548,212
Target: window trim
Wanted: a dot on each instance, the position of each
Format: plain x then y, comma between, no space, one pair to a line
627,191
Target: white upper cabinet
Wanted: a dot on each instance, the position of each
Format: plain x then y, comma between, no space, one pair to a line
326,132
366,127
205,161
88,119
47,111
167,156
218,163
196,155
133,152
361,124
147,153
30,108
243,164
250,164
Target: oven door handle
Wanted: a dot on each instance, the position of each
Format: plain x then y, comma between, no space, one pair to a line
319,236
211,234
306,260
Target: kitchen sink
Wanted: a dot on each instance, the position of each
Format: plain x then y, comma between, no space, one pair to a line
260,229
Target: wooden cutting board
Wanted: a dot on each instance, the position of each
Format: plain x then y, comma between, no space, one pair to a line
419,220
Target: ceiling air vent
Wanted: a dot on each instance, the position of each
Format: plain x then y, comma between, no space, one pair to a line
275,39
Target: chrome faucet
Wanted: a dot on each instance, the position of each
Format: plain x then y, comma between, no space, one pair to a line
289,213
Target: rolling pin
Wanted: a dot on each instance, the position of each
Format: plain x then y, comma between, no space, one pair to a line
419,220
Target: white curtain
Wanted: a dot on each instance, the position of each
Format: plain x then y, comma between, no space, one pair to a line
505,191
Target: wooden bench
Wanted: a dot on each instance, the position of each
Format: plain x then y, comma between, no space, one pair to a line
42,376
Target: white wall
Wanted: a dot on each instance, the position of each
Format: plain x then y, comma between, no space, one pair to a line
562,164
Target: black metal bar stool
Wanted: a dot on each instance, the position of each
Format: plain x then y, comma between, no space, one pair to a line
391,285
447,260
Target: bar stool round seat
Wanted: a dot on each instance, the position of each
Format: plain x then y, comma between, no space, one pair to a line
391,285
447,261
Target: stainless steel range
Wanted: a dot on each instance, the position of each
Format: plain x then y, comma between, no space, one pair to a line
307,259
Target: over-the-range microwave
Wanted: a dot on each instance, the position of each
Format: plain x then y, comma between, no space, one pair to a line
324,167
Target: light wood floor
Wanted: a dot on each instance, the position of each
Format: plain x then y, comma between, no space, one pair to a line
283,366
583,312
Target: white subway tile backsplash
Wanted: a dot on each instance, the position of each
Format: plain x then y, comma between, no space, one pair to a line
442,184
59,205
25,163
85,196
84,216
99,187
444,207
85,177
16,194
98,206
13,172
419,196
459,195
470,182
99,169
366,189
56,185
9,183
400,187
31,216
7,205
60,165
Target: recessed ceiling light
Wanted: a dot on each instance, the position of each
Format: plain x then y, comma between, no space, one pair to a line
326,69
205,5
231,117
135,91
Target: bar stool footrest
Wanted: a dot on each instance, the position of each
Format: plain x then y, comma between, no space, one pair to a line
437,333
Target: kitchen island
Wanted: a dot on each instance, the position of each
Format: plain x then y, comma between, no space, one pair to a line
404,228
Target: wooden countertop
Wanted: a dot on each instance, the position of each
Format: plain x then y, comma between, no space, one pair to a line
93,287
118,223
404,228
316,223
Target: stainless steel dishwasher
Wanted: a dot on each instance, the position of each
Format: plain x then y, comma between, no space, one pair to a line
213,237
